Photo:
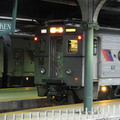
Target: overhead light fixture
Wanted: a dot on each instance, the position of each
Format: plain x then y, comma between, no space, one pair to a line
21,19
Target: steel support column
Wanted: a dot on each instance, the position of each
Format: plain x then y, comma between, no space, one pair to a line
88,82
90,10
14,14
88,88
9,26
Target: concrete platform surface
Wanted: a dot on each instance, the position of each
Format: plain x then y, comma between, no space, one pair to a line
102,110
20,98
8,94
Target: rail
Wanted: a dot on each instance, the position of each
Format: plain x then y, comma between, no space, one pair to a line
99,113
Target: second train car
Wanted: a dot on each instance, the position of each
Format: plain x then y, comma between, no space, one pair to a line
60,56
18,69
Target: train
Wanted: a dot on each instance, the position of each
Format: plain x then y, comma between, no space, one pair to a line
60,61
16,60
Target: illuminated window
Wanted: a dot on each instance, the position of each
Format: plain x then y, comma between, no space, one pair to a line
72,46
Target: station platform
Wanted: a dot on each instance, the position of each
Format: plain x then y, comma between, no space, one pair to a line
20,98
102,110
23,104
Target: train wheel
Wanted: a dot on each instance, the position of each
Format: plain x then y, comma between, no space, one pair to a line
70,97
101,96
110,94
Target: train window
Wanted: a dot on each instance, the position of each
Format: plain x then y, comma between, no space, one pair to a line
42,45
59,45
119,55
95,47
18,54
72,46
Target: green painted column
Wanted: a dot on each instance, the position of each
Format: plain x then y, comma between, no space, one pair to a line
88,83
90,10
14,14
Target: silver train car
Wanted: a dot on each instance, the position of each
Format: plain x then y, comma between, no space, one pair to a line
18,60
59,62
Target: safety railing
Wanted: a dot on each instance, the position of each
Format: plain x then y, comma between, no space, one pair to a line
99,113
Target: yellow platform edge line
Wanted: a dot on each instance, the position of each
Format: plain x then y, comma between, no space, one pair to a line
17,88
21,98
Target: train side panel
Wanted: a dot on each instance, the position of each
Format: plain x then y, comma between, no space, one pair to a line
20,60
109,68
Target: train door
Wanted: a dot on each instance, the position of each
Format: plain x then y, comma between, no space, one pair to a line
18,66
18,59
73,60
56,57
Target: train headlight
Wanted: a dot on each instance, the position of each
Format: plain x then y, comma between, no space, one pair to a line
42,71
103,88
56,30
53,97
27,78
69,72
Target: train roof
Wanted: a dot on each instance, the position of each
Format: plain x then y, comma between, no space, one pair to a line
66,21
108,30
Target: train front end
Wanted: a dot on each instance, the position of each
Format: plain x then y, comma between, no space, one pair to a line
58,61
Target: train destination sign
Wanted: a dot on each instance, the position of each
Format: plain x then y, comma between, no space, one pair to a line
5,27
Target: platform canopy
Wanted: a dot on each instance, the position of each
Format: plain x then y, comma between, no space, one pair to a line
35,12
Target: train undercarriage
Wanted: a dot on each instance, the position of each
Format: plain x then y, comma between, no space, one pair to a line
62,94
